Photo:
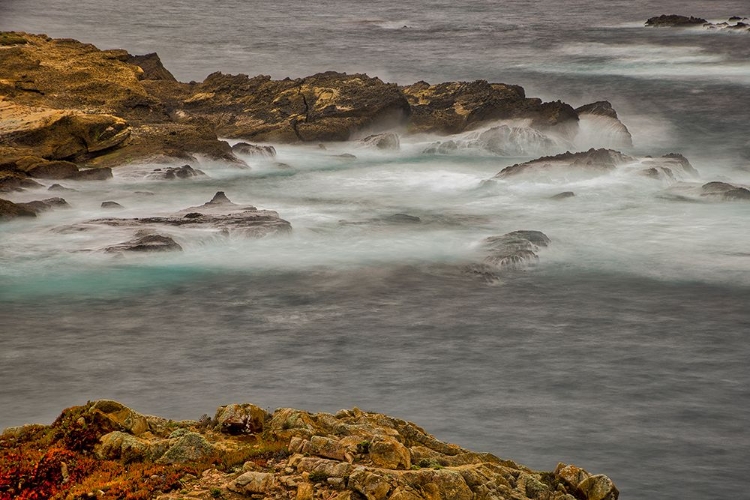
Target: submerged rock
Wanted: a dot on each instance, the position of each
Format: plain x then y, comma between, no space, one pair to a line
45,205
725,191
563,196
172,173
111,204
514,250
16,181
501,140
60,187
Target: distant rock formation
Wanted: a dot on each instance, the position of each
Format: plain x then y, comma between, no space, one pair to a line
244,451
677,21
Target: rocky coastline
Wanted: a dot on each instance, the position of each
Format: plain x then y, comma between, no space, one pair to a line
105,450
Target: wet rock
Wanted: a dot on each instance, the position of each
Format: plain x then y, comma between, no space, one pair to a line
61,188
45,205
568,165
219,214
515,249
172,173
386,141
402,219
454,107
111,204
93,174
725,191
16,181
674,20
441,148
44,169
145,241
563,196
515,141
10,210
247,149
240,419
600,126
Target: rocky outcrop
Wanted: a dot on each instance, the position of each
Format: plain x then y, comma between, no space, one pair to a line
146,241
290,454
247,149
173,173
725,191
670,168
219,214
677,21
451,108
674,20
513,250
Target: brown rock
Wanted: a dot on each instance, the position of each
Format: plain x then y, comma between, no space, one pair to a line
240,419
10,210
388,453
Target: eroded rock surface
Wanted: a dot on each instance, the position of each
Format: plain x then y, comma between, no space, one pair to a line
289,454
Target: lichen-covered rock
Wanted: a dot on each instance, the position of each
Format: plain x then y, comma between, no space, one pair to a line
253,482
388,453
192,447
240,419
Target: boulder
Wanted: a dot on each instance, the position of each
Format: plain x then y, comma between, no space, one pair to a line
10,210
152,67
119,445
16,181
111,204
60,187
39,206
240,419
50,169
388,453
725,191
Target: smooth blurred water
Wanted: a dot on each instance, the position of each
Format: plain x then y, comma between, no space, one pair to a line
624,351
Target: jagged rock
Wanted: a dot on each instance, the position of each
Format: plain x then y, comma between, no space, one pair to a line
240,419
111,204
323,107
253,482
145,241
387,141
515,249
674,20
247,149
10,210
453,107
152,67
563,196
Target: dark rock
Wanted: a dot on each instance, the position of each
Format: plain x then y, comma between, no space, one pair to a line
599,108
675,20
563,196
591,162
144,241
600,119
60,187
220,199
10,210
16,181
725,191
514,250
682,161
247,149
44,205
387,141
172,173
111,204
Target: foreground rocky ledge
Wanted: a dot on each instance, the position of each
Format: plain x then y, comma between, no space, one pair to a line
106,450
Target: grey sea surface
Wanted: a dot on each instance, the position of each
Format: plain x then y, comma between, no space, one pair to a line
623,351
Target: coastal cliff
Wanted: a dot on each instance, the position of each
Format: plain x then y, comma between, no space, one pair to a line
106,450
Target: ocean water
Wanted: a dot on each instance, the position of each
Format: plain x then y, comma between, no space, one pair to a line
623,351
